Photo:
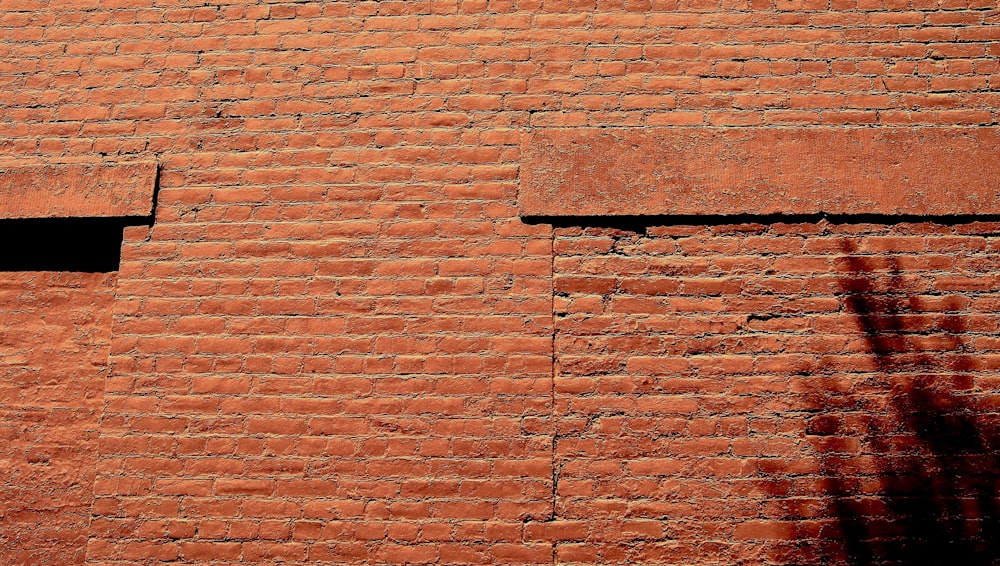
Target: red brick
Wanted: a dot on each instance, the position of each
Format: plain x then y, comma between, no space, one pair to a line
341,342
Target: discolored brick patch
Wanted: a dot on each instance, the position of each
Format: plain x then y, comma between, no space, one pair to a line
686,171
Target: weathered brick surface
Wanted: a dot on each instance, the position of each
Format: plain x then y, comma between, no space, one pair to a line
37,190
784,394
54,335
725,171
335,344
335,391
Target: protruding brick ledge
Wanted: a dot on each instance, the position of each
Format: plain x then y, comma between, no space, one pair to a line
723,171
77,190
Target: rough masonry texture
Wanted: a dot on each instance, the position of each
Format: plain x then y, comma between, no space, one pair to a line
76,190
727,171
55,330
344,339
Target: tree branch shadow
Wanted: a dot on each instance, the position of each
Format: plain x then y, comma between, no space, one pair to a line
922,486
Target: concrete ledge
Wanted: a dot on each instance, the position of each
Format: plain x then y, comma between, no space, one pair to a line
77,190
723,171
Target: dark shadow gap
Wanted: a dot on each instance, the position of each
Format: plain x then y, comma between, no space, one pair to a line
635,223
64,244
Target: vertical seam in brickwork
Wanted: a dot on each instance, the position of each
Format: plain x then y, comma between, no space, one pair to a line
552,377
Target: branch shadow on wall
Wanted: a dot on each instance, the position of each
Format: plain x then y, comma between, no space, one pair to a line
920,487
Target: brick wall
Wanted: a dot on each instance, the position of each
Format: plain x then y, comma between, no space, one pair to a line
336,341
812,393
54,331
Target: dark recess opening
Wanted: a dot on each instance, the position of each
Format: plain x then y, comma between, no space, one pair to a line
64,244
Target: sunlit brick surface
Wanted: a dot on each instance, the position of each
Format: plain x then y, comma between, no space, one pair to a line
335,344
778,394
54,331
